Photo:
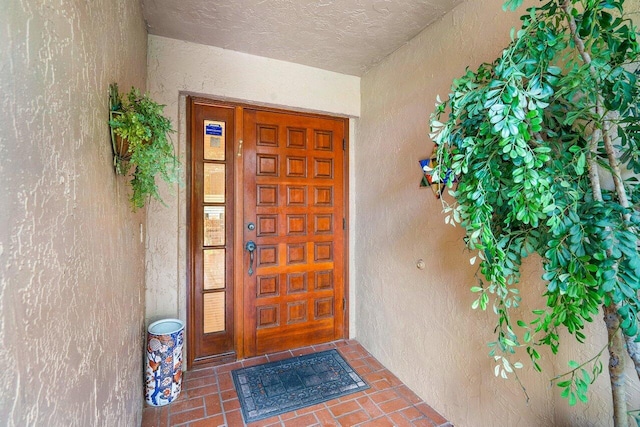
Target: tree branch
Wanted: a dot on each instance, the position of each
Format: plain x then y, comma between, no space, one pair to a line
611,315
616,365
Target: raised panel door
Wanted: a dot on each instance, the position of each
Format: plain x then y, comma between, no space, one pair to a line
294,194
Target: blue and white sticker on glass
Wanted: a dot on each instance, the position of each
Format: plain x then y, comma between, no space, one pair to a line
213,129
214,140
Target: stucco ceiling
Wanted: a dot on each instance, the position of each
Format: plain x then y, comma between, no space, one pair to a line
346,36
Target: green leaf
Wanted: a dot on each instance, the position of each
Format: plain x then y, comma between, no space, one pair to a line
511,5
580,164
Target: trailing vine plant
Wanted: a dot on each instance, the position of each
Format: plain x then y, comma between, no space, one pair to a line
545,144
144,131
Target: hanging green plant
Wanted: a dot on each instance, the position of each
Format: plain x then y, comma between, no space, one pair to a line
534,137
140,139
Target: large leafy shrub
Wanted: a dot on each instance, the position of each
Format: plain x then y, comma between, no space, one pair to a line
532,137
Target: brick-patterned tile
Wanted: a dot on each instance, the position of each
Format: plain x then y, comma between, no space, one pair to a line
228,367
254,361
423,422
184,405
302,351
326,418
350,353
198,373
186,416
234,419
393,380
212,404
288,415
311,408
279,356
344,408
209,399
225,382
231,405
399,420
431,413
374,376
306,420
355,364
370,407
407,394
163,416
201,382
352,396
266,422
364,369
215,421
200,391
393,405
411,413
383,396
353,418
381,385
229,394
324,347
378,422
165,413
150,417
375,365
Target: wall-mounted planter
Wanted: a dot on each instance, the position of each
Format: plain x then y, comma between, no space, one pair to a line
121,155
140,140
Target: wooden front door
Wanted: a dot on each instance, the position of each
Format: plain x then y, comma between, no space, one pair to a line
294,196
273,182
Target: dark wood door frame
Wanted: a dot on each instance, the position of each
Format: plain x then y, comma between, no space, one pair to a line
238,223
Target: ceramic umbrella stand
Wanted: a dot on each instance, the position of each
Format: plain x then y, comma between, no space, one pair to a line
163,370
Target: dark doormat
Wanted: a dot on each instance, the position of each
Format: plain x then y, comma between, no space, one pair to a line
286,385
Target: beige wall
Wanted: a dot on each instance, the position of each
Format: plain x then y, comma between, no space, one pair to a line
419,322
177,68
71,260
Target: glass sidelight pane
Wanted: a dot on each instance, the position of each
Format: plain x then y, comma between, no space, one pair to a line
214,140
213,309
214,178
214,269
214,225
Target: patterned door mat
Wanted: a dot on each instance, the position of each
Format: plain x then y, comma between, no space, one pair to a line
286,385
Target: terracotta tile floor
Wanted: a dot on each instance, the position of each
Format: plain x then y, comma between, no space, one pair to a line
209,399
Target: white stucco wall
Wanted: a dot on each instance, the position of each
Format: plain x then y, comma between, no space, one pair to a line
420,323
177,68
71,259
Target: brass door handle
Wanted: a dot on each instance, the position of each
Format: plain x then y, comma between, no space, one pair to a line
251,247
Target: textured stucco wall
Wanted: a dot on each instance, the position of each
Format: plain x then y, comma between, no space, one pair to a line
177,68
346,36
420,323
71,260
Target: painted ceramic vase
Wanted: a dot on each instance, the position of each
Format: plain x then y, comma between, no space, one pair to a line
163,370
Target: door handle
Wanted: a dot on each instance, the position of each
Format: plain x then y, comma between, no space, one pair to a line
251,247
